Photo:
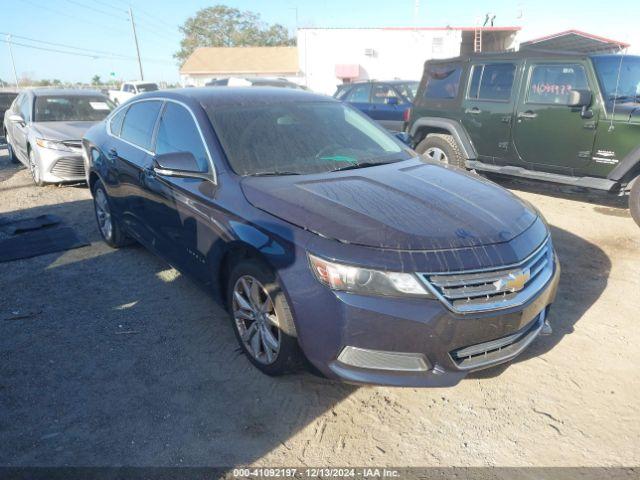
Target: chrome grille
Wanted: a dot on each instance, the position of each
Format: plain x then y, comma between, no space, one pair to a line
476,291
68,168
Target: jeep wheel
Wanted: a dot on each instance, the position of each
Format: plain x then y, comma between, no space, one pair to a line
634,200
441,148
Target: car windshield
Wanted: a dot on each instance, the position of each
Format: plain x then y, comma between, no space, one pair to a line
626,88
301,138
408,89
65,108
147,87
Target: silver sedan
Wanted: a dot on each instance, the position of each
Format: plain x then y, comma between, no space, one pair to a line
44,128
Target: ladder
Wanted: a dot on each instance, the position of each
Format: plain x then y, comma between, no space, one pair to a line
477,40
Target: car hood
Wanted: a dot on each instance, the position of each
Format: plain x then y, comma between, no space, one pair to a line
62,130
410,205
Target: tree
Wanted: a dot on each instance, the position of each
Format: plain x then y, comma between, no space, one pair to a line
95,80
222,26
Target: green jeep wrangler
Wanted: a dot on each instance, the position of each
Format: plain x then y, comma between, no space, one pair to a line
567,118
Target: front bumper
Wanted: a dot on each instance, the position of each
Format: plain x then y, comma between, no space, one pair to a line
58,166
451,345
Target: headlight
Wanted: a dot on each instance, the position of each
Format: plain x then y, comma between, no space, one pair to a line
365,281
53,145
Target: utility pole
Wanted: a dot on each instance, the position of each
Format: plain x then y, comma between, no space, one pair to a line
135,38
13,63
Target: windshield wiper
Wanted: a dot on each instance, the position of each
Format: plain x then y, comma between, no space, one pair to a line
274,173
635,98
353,166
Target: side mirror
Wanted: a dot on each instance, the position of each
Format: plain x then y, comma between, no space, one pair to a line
404,137
579,98
15,118
179,164
392,101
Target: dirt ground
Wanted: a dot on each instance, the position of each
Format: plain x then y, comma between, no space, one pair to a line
116,359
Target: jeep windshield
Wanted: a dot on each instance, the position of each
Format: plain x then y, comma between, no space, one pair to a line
301,138
619,77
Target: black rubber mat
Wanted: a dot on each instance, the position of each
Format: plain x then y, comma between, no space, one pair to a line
39,242
12,227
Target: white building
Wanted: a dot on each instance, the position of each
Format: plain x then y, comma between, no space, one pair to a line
331,56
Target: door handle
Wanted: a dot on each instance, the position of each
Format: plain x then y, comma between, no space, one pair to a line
112,153
473,111
527,114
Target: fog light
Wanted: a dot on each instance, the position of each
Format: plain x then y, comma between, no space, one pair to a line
381,360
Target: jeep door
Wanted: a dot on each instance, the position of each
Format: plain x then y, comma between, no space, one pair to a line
548,134
488,108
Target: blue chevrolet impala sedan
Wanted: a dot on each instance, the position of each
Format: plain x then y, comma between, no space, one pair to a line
326,237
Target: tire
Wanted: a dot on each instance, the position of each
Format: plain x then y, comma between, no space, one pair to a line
110,229
442,148
634,200
12,156
34,168
274,318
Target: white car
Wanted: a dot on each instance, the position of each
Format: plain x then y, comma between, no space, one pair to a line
131,89
44,128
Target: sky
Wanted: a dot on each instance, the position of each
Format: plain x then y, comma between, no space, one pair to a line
100,29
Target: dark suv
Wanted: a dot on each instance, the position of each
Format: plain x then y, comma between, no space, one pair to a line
386,102
567,118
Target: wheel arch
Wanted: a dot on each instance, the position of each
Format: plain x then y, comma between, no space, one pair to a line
232,253
426,125
628,169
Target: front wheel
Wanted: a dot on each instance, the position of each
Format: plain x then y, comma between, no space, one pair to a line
441,148
261,317
12,155
34,168
110,230
634,200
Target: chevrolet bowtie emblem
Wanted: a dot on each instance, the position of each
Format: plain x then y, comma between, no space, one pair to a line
514,282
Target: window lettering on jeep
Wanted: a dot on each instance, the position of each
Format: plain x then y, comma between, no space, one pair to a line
552,84
443,81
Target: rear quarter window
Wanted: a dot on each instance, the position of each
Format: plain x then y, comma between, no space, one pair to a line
442,81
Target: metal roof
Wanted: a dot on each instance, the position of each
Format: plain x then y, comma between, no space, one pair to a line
575,41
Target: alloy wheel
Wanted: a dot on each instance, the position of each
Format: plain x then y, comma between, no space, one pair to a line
33,168
103,213
256,319
437,154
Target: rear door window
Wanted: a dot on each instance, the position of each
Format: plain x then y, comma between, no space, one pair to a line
359,94
382,93
442,80
552,84
177,132
492,81
115,124
139,123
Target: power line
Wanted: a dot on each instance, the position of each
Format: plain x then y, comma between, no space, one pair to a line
103,12
64,14
64,45
94,56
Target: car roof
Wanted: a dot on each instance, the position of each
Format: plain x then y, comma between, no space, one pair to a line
392,82
521,54
240,96
40,92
